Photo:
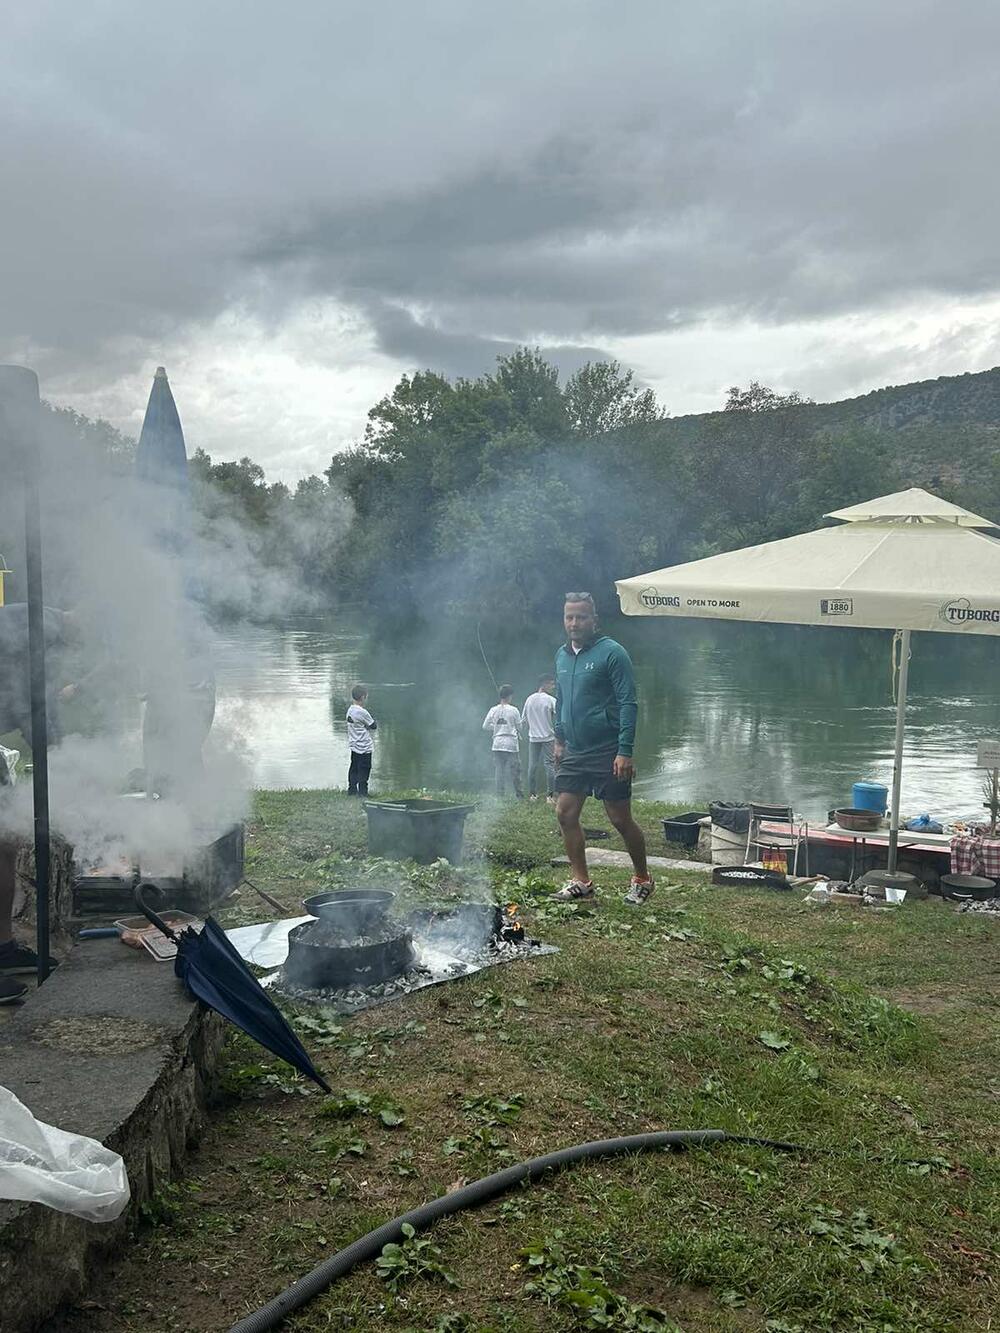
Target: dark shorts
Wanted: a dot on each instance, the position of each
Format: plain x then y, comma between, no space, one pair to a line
591,773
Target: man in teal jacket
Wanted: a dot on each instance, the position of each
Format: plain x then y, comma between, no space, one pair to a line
595,732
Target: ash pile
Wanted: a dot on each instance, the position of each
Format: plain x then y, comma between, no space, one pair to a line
352,954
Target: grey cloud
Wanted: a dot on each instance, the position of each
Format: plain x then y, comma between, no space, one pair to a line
454,354
566,173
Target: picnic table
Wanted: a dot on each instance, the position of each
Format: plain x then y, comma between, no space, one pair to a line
832,835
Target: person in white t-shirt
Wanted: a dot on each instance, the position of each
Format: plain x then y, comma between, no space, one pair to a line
360,725
540,719
504,721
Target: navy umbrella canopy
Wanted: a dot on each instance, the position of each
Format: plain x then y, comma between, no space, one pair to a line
161,467
214,973
161,457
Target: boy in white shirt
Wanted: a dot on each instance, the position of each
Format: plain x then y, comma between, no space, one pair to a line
504,721
540,719
360,725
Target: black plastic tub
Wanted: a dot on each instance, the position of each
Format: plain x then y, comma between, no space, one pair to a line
733,816
416,830
684,829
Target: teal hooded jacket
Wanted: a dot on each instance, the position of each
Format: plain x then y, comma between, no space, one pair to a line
595,697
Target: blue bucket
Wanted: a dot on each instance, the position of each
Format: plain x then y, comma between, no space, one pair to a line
870,796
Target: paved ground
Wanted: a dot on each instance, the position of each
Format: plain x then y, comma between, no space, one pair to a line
7,1011
602,856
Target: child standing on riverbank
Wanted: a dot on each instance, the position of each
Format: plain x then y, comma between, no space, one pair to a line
360,725
504,721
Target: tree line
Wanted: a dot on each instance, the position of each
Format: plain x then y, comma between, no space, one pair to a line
503,491
494,495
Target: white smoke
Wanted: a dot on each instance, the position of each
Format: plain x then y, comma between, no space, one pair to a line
142,591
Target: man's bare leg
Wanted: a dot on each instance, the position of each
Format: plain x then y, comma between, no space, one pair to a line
569,805
8,863
620,814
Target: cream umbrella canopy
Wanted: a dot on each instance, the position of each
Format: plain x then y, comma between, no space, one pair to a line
907,561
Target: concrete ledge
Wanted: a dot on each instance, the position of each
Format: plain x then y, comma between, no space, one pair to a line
603,856
112,1047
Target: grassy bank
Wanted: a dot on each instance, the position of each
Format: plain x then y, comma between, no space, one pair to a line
873,1037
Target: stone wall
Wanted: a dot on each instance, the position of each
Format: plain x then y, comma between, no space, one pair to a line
113,1047
60,884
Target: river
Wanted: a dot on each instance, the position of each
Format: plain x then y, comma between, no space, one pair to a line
726,711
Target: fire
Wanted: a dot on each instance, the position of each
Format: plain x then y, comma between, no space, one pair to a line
513,928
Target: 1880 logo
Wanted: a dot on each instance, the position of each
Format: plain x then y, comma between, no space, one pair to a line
962,612
650,597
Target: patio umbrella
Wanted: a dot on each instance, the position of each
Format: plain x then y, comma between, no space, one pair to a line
907,561
214,973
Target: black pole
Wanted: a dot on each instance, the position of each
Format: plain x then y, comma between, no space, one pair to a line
19,401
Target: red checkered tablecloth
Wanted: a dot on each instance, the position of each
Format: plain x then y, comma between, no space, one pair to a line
974,854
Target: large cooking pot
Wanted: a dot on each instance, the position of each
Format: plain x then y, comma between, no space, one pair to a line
977,887
857,820
351,911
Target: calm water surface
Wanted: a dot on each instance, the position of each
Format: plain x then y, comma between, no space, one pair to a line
725,711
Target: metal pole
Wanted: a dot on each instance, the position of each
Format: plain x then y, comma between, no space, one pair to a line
902,638
19,400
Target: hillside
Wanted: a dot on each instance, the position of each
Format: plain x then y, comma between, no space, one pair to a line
942,433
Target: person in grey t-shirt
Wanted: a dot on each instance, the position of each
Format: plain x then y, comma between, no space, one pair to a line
539,717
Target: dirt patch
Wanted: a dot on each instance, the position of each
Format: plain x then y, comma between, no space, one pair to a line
97,1034
926,1003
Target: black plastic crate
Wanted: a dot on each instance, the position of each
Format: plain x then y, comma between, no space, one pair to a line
416,829
684,829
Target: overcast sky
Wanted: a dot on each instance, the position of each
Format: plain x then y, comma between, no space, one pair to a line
289,206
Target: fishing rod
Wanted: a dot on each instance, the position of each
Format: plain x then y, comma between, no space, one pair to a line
486,660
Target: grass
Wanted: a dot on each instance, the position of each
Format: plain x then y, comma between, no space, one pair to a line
871,1037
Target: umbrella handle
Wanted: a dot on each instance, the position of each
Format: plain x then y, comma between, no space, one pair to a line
147,886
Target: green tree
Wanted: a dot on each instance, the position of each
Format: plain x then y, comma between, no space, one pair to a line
845,467
238,488
743,480
531,387
415,403
72,432
510,545
757,397
601,397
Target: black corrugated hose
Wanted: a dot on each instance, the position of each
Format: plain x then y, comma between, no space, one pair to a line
479,1191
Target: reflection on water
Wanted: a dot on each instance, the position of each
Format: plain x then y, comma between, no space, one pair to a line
726,711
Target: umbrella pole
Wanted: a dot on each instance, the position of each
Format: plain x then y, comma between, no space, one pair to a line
19,396
903,639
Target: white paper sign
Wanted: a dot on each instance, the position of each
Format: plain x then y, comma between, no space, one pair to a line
988,754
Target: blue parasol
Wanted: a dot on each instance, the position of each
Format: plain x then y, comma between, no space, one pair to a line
214,973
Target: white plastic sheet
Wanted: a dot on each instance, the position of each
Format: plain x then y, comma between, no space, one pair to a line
68,1172
8,766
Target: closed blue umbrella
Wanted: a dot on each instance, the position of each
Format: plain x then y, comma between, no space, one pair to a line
214,973
161,467
161,455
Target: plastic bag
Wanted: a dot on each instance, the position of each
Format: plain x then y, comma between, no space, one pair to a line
924,824
68,1172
